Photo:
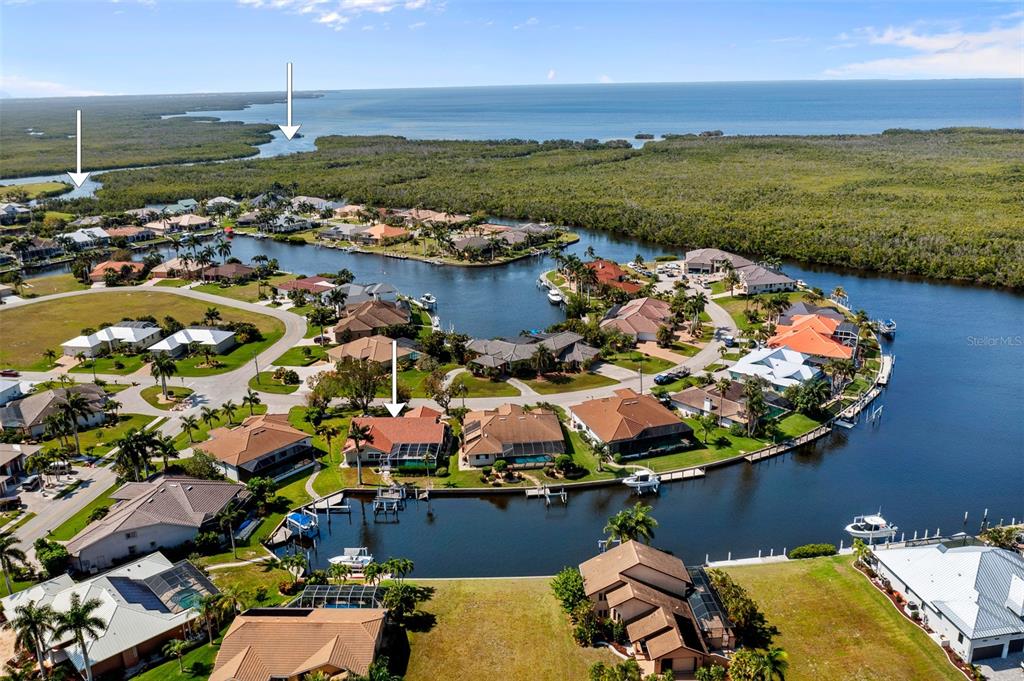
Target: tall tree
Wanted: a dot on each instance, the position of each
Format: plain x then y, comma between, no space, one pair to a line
32,626
81,621
10,555
162,366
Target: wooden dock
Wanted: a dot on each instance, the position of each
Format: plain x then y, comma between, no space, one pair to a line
688,474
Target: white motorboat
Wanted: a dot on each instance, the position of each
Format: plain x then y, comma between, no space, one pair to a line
643,480
871,527
357,558
555,298
428,301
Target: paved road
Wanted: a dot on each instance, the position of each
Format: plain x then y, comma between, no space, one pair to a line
51,512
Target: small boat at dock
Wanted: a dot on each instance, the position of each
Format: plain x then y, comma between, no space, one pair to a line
555,298
428,300
642,481
871,527
357,558
886,327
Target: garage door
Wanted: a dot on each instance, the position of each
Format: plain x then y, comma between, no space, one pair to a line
1017,646
985,652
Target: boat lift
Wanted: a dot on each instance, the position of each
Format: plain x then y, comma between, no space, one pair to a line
549,495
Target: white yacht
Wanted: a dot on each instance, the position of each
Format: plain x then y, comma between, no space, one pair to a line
357,558
643,480
554,297
428,300
871,527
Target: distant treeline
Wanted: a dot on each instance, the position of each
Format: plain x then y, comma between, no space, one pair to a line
37,135
946,204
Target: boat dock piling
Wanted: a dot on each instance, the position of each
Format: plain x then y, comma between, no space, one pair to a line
688,474
548,495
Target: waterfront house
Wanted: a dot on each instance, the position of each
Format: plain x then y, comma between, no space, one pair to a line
612,275
40,249
286,644
369,318
232,271
639,318
712,260
342,232
629,424
314,287
265,445
143,604
781,367
88,237
515,355
182,207
11,213
221,203
817,335
130,234
175,267
126,269
360,293
375,349
9,391
267,200
142,213
971,596
672,616
218,340
381,235
729,407
123,336
28,415
351,210
248,218
801,308
755,279
12,465
418,216
180,223
286,223
163,513
510,432
88,221
406,441
311,204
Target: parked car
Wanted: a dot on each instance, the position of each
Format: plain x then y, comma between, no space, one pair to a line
663,378
729,341
10,373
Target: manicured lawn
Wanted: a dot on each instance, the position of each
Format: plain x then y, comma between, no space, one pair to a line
527,634
47,324
197,664
301,356
564,383
413,379
266,383
198,435
55,283
128,364
173,283
730,446
485,387
154,396
247,291
836,626
76,523
637,361
340,420
235,358
796,424
248,578
100,439
684,349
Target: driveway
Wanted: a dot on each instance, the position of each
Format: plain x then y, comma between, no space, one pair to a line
1003,669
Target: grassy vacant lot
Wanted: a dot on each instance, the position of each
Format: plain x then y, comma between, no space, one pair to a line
836,626
47,324
73,525
55,283
413,380
247,291
634,361
527,635
173,283
266,383
485,387
301,356
551,384
102,437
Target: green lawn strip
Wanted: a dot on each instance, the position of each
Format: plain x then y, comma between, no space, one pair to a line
76,523
563,383
16,585
34,190
638,361
101,438
173,283
56,283
198,435
235,358
711,368
485,387
266,383
129,364
518,615
684,349
195,665
114,388
48,323
246,292
301,356
249,578
413,380
835,625
154,393
796,424
16,525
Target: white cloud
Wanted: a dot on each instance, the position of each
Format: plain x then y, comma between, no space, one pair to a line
416,26
18,86
337,13
605,79
532,21
551,74
949,53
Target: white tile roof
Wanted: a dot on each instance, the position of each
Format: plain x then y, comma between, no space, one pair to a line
779,366
192,335
116,333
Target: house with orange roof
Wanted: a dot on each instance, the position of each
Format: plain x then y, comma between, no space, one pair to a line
372,317
409,441
382,235
375,349
265,445
640,318
134,269
611,274
630,424
815,335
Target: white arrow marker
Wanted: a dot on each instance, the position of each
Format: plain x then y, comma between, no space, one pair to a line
289,130
395,408
79,177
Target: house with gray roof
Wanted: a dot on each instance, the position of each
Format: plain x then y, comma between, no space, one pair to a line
515,354
28,414
971,596
145,516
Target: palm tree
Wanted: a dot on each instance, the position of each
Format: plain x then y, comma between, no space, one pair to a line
209,610
359,434
632,524
336,297
176,648
208,415
79,620
163,367
320,316
328,432
232,601
861,551
50,355
189,423
773,664
294,564
339,571
838,294
223,249
9,555
32,625
251,400
707,423
732,280
75,406
373,572
226,520
228,409
543,359
164,446
722,386
211,316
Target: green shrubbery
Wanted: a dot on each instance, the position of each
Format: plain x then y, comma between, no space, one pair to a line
813,551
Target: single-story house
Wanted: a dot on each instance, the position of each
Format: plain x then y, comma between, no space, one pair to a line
184,206
816,335
130,234
12,465
231,271
672,615
729,408
145,516
131,336
781,367
175,267
143,605
415,216
514,354
756,279
370,318
640,318
312,204
88,237
180,223
381,235
971,596
374,349
265,445
250,217
800,308
629,423
512,433
9,390
88,221
312,286
218,340
285,223
133,269
38,248
351,210
611,274
11,213
221,203
412,441
342,232
360,293
277,644
28,414
711,260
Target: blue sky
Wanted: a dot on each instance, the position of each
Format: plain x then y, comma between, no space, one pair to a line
52,48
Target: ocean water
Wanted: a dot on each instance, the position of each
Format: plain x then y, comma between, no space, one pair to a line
604,112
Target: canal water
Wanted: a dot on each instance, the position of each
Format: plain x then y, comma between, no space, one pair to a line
950,440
